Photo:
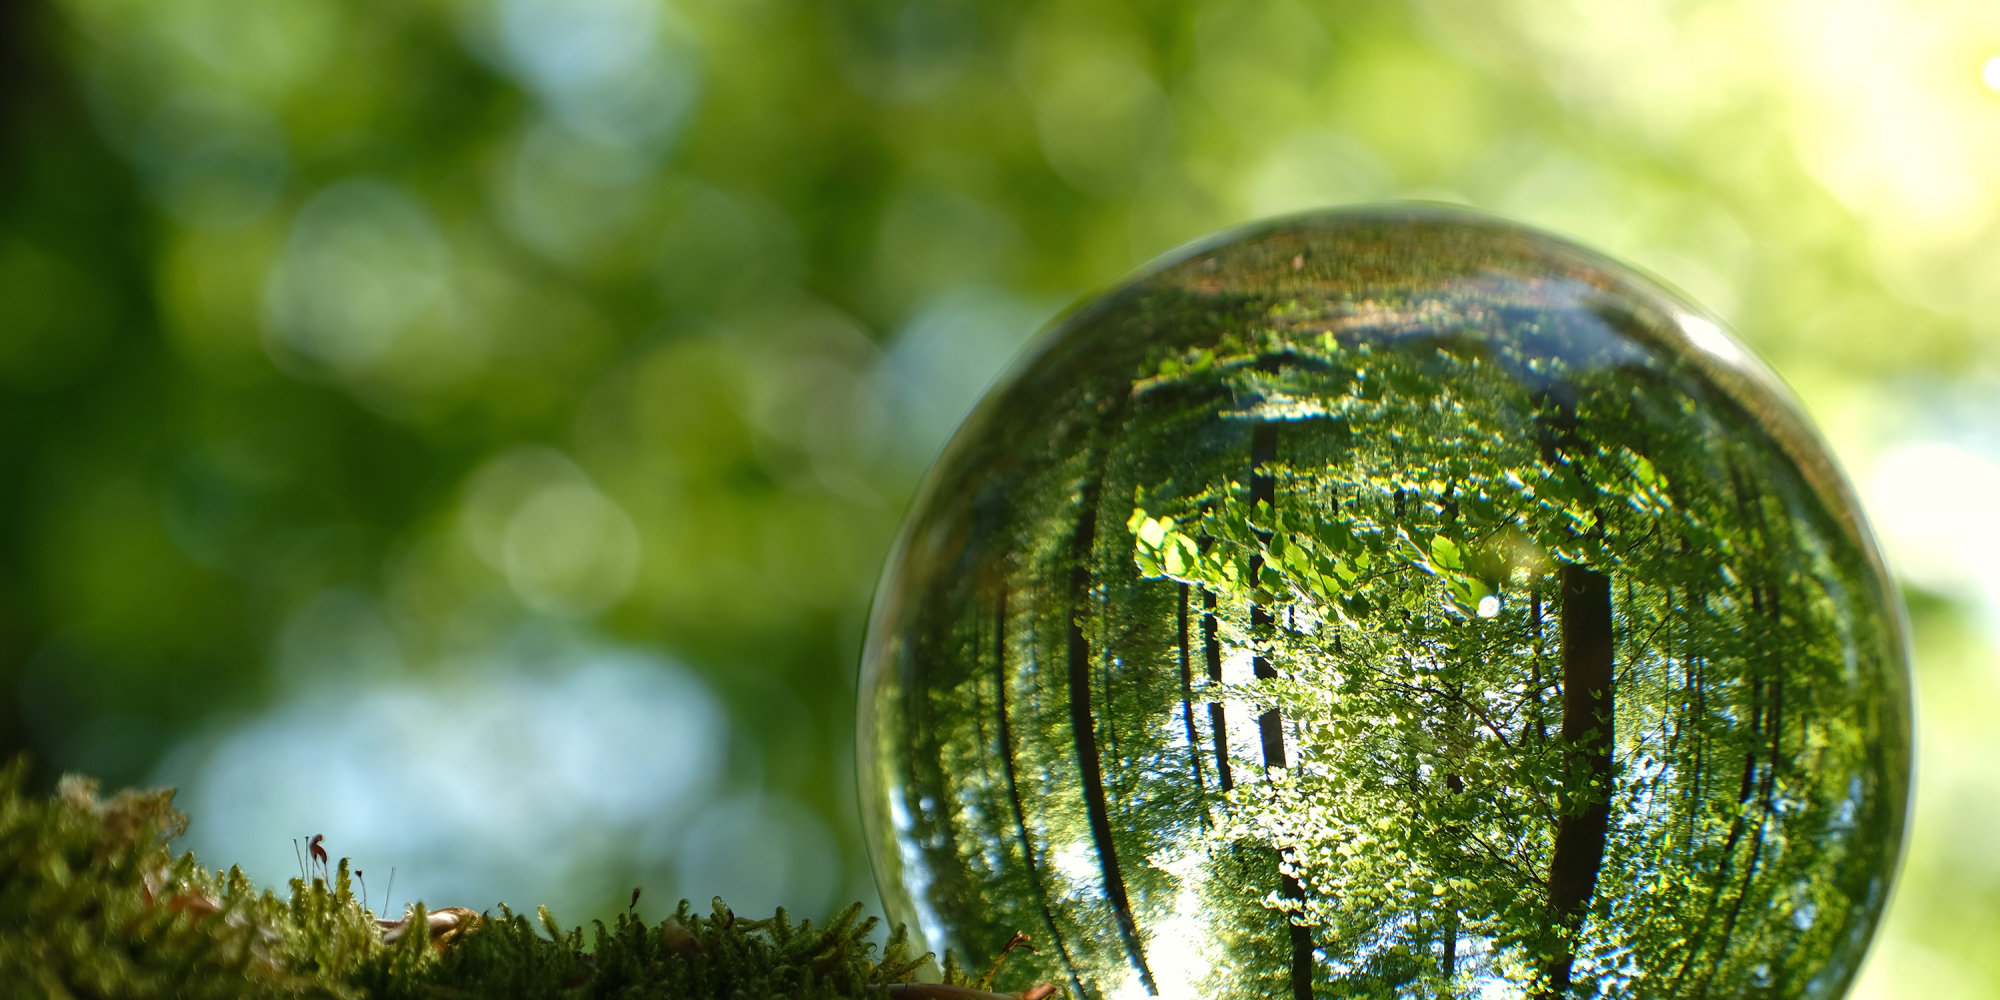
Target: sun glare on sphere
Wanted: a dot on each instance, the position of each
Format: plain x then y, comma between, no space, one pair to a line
1989,72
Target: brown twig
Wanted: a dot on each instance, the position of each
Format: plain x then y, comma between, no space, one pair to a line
1019,940
939,991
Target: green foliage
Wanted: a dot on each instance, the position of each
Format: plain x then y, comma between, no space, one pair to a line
92,904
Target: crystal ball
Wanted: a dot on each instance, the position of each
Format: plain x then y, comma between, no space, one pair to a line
1389,602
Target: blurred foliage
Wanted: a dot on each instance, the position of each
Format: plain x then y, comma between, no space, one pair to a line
644,316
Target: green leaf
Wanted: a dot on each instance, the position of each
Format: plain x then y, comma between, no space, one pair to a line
1336,535
1445,554
1642,468
1149,567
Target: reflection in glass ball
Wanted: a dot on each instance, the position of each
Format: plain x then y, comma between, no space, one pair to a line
1389,603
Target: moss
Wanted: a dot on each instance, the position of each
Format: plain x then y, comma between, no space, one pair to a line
92,904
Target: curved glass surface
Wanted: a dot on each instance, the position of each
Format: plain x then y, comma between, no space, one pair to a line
1393,603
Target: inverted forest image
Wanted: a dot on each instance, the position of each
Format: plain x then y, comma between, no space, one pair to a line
1392,603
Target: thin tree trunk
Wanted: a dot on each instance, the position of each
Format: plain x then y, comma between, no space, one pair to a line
1218,715
1448,962
1766,790
1588,704
1264,490
1535,664
1187,693
1014,784
1774,729
1454,784
1271,725
1699,666
1083,727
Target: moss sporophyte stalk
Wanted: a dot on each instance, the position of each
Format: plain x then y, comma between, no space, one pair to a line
1390,602
93,905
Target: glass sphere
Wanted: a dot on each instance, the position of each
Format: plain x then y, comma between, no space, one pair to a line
1391,602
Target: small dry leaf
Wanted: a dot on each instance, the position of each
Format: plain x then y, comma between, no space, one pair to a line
444,927
679,939
200,904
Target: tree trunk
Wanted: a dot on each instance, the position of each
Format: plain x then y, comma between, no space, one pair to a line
1448,961
1535,664
1264,490
1084,729
1774,730
1271,725
1218,716
1187,693
1014,782
1587,704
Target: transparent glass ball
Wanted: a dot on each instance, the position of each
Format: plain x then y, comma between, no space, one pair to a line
1392,602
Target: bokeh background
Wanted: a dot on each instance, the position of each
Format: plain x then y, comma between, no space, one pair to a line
471,429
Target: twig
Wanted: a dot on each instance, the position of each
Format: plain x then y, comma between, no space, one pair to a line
1019,940
939,991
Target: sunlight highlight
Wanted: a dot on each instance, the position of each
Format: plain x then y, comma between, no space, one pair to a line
1932,501
1710,338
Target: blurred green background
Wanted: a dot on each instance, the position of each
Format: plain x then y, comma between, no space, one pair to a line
471,429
